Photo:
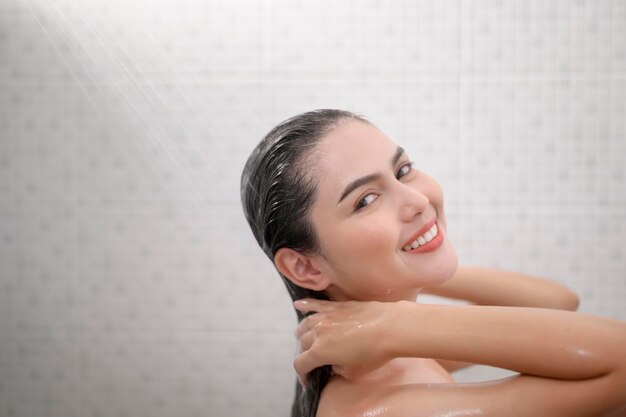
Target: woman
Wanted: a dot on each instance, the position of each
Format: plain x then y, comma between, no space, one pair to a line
343,215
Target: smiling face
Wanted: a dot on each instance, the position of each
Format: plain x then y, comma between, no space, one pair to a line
371,211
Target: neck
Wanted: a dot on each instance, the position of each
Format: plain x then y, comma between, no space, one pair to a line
335,294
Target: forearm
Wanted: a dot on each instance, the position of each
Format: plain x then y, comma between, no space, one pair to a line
485,286
532,341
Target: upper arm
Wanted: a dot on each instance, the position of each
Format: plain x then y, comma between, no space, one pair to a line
517,396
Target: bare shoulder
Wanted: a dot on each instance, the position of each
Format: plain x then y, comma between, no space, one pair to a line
342,398
514,396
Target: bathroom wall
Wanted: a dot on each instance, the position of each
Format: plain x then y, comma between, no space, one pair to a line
130,284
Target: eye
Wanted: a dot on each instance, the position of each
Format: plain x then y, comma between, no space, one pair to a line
404,170
366,201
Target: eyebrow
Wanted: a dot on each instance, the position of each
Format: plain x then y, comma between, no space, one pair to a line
369,178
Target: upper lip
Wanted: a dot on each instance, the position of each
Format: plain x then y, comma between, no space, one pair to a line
421,231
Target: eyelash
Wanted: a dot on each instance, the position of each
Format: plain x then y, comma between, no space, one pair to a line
408,166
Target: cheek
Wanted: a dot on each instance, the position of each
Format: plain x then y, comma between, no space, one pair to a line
364,246
371,238
433,190
361,266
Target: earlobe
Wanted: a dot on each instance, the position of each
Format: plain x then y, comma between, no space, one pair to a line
300,269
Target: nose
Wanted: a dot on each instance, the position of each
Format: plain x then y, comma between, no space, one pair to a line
412,202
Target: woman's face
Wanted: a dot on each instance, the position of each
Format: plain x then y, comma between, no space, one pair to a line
370,208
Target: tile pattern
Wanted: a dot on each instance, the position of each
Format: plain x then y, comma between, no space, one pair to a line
129,282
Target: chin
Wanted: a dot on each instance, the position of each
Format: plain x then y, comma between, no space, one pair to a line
442,268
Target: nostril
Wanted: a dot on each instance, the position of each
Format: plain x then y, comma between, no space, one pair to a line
410,211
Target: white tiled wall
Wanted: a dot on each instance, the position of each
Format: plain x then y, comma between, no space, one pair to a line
130,284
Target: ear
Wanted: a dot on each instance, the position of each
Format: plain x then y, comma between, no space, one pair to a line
300,269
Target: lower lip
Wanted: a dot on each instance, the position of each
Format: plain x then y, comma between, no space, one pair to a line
430,246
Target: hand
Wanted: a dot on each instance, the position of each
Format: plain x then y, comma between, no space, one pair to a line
346,335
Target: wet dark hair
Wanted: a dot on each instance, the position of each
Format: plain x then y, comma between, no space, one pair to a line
277,192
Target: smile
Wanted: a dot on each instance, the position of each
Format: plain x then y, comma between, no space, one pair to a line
427,241
423,239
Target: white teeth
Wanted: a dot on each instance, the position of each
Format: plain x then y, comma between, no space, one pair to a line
423,239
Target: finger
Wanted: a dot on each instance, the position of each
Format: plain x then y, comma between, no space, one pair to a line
306,341
303,326
305,363
311,304
308,323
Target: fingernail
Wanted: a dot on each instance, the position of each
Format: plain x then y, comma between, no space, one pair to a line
300,303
